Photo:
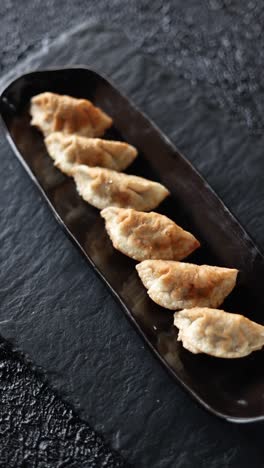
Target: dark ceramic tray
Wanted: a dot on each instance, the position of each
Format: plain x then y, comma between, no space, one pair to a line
231,389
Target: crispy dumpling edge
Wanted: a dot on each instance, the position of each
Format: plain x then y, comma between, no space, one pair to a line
173,307
196,243
160,186
193,347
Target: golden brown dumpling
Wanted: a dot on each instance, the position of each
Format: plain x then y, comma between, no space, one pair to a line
177,285
68,150
218,333
145,236
59,113
103,187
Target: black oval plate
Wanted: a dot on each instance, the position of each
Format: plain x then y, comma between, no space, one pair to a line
231,389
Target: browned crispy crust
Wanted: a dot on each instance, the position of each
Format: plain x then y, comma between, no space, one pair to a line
178,285
145,236
53,112
69,150
103,187
218,333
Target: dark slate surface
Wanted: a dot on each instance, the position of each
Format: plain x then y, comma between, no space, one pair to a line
216,45
37,430
57,311
47,290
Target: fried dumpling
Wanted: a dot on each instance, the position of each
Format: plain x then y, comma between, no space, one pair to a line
103,187
177,285
67,150
145,236
59,113
218,333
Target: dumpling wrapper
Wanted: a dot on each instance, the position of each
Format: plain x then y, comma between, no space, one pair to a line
103,187
59,113
68,150
144,236
218,333
177,285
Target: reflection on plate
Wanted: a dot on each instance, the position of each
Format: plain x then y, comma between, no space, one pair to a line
232,389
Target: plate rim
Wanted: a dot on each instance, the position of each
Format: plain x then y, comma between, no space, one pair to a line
247,239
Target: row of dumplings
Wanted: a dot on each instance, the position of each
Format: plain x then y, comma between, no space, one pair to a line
71,129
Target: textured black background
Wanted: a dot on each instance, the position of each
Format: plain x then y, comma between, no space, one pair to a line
214,44
211,107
